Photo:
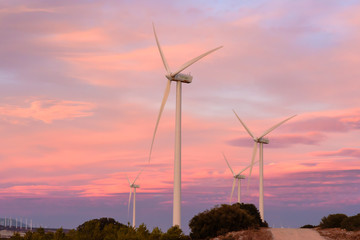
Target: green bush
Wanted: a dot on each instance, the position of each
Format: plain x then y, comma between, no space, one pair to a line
332,220
351,223
222,219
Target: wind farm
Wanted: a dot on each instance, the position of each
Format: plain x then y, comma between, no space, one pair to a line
83,96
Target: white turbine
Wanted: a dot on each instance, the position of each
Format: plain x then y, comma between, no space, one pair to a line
134,187
237,177
179,78
260,140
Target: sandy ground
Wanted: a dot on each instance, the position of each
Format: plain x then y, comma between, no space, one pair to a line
295,234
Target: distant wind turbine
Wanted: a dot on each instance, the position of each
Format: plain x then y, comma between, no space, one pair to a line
179,78
133,187
260,140
237,177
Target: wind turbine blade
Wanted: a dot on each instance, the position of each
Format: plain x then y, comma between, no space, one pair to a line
277,125
161,52
128,180
192,61
246,128
129,202
166,94
138,175
252,161
246,168
232,190
228,165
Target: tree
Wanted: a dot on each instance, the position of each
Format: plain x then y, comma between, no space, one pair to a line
142,232
155,234
59,234
28,235
16,236
332,220
222,219
97,229
351,223
174,233
253,211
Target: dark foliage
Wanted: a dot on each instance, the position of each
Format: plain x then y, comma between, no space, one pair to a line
308,226
104,229
98,229
174,233
222,219
332,220
351,223
253,211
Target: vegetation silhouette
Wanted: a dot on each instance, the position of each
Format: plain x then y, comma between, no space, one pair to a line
104,229
223,219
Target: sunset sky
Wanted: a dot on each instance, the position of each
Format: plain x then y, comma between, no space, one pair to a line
81,87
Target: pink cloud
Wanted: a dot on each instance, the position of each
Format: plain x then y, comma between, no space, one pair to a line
339,122
47,111
344,152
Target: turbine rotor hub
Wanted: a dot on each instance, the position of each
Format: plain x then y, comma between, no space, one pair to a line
262,140
239,176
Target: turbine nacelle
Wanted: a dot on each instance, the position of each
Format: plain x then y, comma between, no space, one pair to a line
262,140
134,186
239,176
181,77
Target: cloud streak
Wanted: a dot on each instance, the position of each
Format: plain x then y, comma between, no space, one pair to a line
47,110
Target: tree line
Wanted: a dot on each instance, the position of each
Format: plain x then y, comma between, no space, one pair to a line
205,225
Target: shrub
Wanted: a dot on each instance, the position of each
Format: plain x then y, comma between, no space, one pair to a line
97,229
351,223
253,211
174,233
223,219
332,220
308,226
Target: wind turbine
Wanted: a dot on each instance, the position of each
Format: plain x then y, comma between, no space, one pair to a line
133,187
237,177
179,78
260,140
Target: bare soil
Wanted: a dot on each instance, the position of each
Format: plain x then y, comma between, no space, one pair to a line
261,234
295,234
338,234
266,234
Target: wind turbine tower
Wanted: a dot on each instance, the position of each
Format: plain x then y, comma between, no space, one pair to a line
179,78
133,187
260,141
237,178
